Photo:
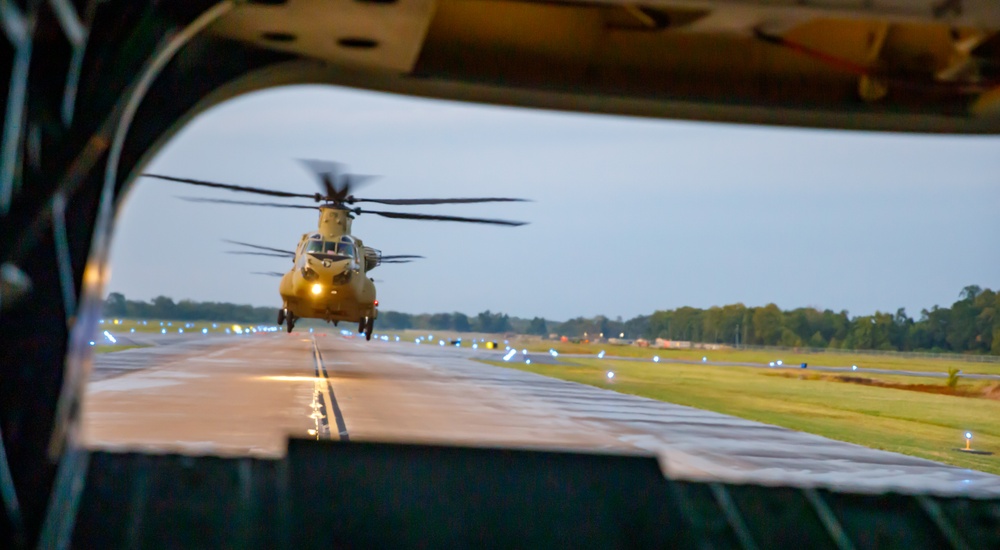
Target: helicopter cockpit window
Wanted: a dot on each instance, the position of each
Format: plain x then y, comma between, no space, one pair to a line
332,250
345,249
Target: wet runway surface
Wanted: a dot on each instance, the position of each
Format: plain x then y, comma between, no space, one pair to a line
245,395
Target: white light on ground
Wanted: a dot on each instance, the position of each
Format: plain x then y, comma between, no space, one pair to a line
510,354
601,355
110,338
704,359
527,361
779,362
92,343
968,435
611,375
854,367
163,331
771,364
656,358
204,331
553,353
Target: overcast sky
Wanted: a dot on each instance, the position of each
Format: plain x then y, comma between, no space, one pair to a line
629,215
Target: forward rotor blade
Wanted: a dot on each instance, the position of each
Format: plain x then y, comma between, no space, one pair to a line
439,201
253,253
435,217
396,261
268,273
242,188
247,203
289,253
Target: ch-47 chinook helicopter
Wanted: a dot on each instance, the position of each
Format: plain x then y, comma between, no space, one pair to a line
329,278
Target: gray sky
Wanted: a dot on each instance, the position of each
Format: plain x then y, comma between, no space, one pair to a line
630,215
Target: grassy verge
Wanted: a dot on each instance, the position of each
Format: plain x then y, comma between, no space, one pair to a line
833,359
921,424
128,326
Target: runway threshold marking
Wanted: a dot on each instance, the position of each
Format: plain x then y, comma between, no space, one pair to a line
322,374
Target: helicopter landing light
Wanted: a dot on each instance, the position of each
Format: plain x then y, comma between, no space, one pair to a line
317,288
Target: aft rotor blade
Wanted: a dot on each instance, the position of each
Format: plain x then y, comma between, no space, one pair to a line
259,247
409,202
242,188
400,257
247,203
435,217
268,273
254,253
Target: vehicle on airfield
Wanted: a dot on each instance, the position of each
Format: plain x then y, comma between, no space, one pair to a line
329,278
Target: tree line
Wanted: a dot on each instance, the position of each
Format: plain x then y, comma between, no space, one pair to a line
970,325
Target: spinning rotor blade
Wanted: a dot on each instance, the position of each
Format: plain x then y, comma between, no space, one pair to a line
268,273
435,217
337,182
253,253
247,203
395,261
437,201
400,257
257,246
243,188
329,174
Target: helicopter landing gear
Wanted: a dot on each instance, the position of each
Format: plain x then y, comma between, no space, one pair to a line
362,324
281,316
369,327
335,323
290,322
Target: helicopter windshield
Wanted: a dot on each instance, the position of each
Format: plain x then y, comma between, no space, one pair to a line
331,249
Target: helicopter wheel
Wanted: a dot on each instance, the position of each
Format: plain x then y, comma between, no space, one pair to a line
369,327
362,324
290,322
335,323
281,316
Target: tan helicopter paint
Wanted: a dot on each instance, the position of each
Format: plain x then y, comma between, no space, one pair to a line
334,291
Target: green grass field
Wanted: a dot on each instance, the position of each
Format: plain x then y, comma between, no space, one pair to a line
127,326
915,423
832,359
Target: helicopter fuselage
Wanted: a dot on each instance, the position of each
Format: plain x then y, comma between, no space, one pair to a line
329,279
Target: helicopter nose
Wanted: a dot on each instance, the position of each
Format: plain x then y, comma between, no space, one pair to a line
338,272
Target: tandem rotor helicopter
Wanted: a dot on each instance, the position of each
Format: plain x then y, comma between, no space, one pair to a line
329,278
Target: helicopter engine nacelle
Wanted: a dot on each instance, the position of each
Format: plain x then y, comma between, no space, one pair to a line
373,258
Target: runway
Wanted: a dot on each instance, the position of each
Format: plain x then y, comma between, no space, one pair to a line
245,395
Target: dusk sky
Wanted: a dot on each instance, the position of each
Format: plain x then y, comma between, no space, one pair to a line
629,215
